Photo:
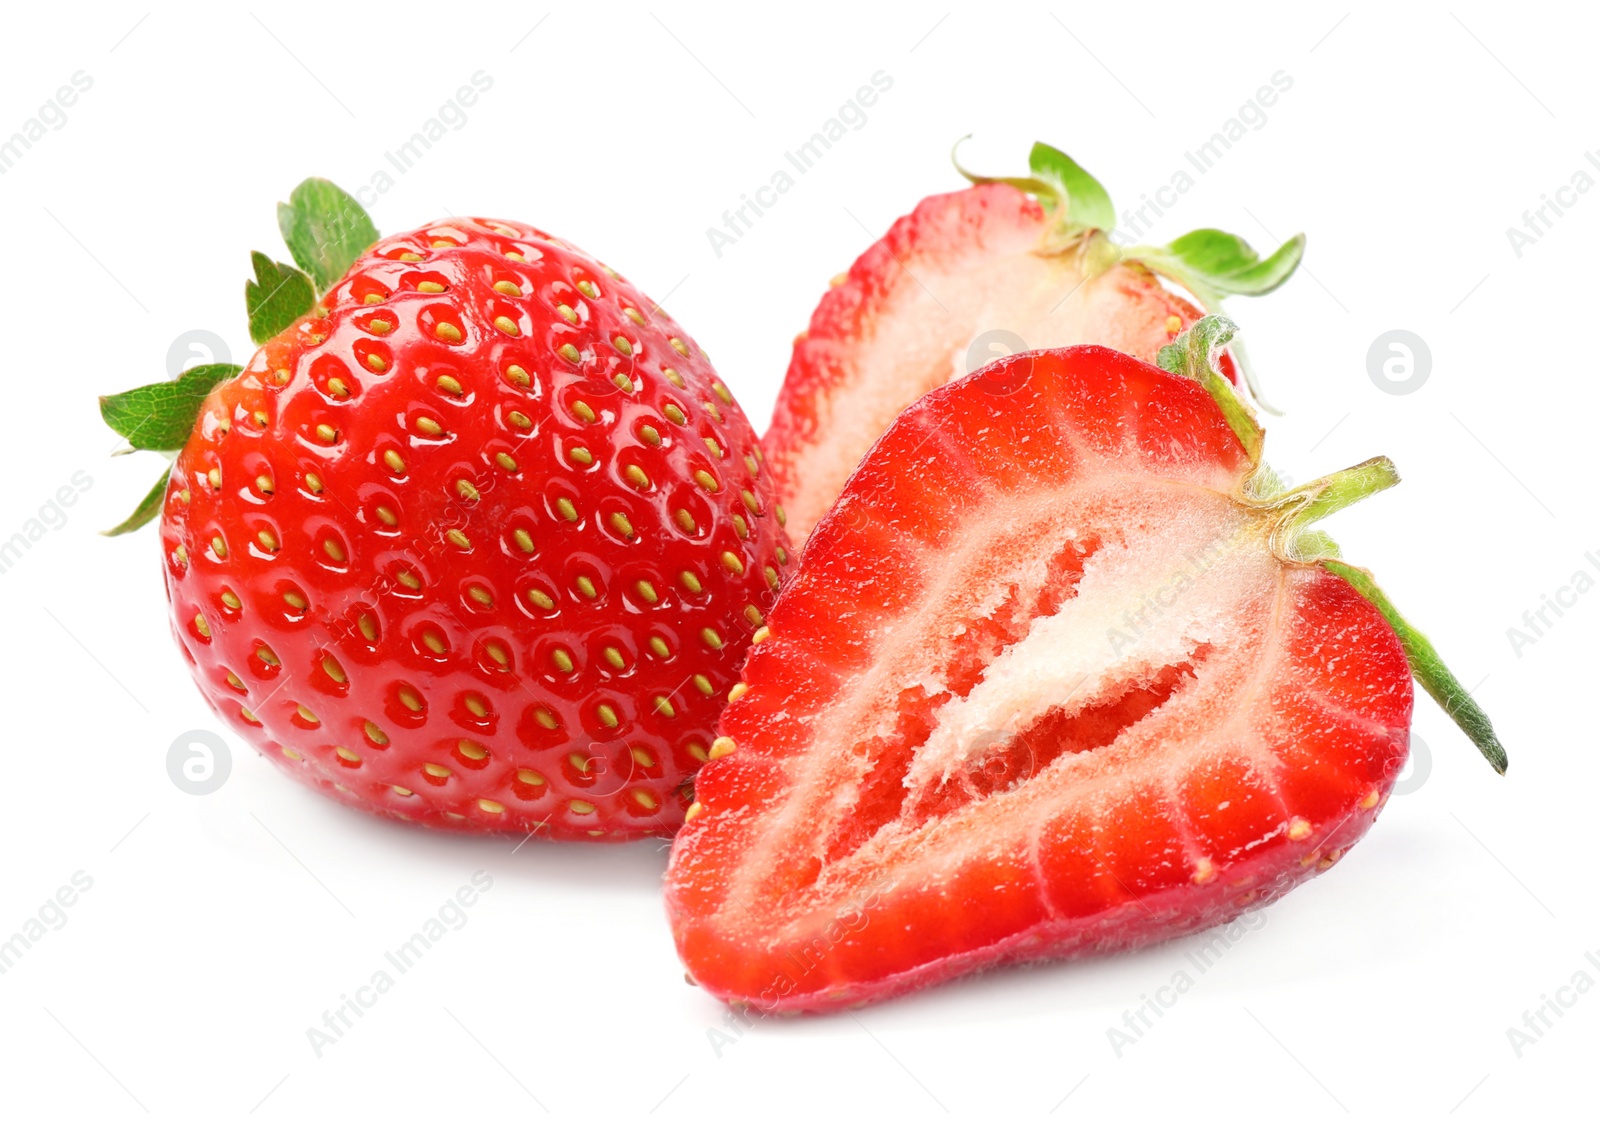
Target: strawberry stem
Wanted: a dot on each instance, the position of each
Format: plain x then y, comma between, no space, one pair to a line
1299,508
1194,354
1428,667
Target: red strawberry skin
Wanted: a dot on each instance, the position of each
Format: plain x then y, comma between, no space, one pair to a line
900,323
480,547
826,867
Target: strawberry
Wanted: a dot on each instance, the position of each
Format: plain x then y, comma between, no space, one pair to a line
1060,673
1006,264
476,539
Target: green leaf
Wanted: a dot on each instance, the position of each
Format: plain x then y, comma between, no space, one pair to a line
149,508
161,415
1227,263
1088,204
1428,667
326,230
277,297
1194,354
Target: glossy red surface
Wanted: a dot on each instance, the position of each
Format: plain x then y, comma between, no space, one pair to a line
481,547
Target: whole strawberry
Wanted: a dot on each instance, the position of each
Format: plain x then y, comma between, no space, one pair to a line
477,539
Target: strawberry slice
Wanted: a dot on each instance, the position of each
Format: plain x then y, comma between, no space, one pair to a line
1004,266
1060,673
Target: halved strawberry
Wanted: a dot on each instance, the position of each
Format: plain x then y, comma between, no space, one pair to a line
1060,672
1003,266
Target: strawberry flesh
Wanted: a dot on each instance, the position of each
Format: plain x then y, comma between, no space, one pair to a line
1040,686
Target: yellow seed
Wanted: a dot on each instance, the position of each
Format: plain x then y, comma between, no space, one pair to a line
585,586
1204,871
509,288
387,516
523,541
722,392
703,685
333,550
690,581
565,507
326,433
578,805
622,525
334,671
530,778
732,562
1370,800
517,375
401,790
741,527
307,714
444,330
783,556
480,595
436,770
647,591
519,420
506,461
202,627
643,757
633,314
234,682
314,483
607,714
722,745
295,599
1299,828
264,485
267,540
249,716
673,377
466,490
582,410
685,520
219,547
637,477
394,461
706,481
347,754
678,346
569,353
737,690
622,344
181,554
474,704
428,426
376,734
376,362
674,414
545,719
782,518
697,750
753,616
588,288
379,326
289,752
429,287
449,384
408,580
664,706
693,811
368,626
760,635
567,314
581,455
711,637
515,256
623,383
658,646
645,798
410,699
459,538
433,641
614,658
474,751
281,376
1174,323
489,806
506,325
750,501
214,478
562,660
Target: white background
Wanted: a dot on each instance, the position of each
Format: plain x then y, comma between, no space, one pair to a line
219,928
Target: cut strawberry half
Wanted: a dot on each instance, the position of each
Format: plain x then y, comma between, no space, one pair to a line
1004,266
1054,676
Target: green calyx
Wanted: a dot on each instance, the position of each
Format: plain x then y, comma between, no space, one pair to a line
1210,264
326,230
1290,513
